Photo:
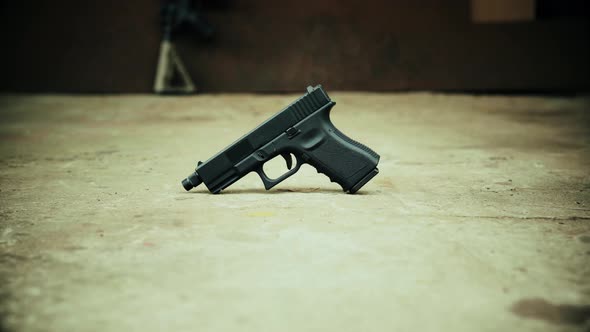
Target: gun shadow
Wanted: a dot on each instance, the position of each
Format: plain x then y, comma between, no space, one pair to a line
283,191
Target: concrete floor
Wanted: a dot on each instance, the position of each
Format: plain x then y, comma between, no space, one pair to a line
478,221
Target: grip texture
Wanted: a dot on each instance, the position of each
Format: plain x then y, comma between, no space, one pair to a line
355,143
344,160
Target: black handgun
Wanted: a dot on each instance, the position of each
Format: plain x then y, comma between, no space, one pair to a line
302,129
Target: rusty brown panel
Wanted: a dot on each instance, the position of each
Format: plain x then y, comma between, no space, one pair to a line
383,46
397,14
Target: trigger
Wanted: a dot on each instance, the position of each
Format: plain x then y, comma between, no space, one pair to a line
288,159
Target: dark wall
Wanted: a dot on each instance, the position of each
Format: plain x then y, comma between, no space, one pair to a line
79,46
264,45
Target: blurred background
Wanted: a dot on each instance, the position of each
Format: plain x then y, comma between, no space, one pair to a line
110,46
479,219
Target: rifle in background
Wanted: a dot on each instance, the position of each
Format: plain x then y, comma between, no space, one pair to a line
178,16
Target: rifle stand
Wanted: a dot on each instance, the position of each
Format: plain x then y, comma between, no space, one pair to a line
171,75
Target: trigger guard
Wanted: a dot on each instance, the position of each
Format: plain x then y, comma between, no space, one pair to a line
269,183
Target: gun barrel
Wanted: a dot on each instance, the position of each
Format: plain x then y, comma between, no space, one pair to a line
192,181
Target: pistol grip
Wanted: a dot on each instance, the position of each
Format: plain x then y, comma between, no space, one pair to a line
344,160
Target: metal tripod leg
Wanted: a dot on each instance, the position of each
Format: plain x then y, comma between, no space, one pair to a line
170,63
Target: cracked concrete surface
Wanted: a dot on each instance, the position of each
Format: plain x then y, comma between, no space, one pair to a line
478,221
